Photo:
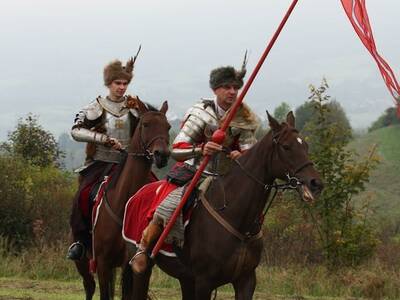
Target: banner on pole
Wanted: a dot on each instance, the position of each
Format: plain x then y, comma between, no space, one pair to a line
356,11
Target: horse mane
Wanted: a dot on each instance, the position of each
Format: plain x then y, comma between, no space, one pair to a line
151,107
124,155
264,140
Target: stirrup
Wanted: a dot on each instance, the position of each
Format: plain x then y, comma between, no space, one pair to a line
146,262
139,252
82,247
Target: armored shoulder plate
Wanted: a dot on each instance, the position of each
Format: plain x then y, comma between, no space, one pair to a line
87,116
93,110
194,123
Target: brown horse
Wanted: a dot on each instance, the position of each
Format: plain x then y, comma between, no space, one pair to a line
149,142
225,246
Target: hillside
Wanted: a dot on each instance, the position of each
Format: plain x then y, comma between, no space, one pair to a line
384,186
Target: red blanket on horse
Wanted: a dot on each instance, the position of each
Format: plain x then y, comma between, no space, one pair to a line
140,209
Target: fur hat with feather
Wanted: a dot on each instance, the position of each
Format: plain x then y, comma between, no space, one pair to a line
228,75
115,70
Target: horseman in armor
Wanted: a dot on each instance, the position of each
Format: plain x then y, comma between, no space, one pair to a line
106,125
193,142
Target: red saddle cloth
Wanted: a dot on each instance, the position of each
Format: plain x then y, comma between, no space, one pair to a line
98,200
95,212
139,211
84,204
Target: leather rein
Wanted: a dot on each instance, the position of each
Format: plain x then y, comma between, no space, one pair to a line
292,182
146,154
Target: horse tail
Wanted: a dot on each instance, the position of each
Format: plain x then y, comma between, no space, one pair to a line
127,282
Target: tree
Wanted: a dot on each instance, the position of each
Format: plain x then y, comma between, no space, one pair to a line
281,111
345,232
333,112
304,113
31,142
389,117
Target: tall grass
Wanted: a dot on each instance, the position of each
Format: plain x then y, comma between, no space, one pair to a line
37,262
374,280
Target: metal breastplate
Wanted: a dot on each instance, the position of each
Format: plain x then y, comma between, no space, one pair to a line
117,124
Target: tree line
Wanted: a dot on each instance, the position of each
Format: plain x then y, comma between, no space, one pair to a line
36,192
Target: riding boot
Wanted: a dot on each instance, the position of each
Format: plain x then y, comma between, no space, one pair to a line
140,260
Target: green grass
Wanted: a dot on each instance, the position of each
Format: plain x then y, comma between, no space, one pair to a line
368,282
44,273
383,190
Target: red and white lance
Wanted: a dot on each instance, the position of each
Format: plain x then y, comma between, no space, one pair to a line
219,135
356,11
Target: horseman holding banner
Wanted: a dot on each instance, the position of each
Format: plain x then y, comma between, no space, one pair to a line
106,125
192,143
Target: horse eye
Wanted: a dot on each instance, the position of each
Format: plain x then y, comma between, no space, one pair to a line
145,124
286,147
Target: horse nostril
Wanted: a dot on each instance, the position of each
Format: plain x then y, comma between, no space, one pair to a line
316,184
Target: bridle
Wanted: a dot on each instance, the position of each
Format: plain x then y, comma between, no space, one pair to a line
292,182
146,153
290,174
145,147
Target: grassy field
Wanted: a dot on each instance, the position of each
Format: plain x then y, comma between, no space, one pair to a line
370,281
14,288
383,190
42,272
21,288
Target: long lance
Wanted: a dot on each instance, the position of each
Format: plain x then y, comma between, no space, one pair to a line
219,134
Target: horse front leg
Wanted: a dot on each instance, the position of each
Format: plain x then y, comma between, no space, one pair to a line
203,289
105,274
187,288
87,278
245,286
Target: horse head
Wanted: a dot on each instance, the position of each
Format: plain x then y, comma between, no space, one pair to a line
153,130
290,159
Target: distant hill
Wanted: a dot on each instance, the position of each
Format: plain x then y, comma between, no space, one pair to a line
74,152
384,186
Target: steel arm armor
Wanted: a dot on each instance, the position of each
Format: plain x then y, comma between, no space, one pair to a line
85,120
81,134
191,135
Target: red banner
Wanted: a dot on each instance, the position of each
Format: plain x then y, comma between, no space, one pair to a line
356,10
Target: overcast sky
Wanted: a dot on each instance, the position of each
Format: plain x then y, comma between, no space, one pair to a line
53,52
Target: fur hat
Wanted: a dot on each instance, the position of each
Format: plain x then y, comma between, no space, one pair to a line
114,70
228,75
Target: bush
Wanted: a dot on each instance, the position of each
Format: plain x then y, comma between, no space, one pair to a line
35,202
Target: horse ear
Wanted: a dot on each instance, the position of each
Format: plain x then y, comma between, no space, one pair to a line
164,107
273,123
290,119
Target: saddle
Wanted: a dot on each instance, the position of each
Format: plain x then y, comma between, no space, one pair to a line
141,207
91,187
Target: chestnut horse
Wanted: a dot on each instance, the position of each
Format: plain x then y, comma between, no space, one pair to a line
223,241
149,142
